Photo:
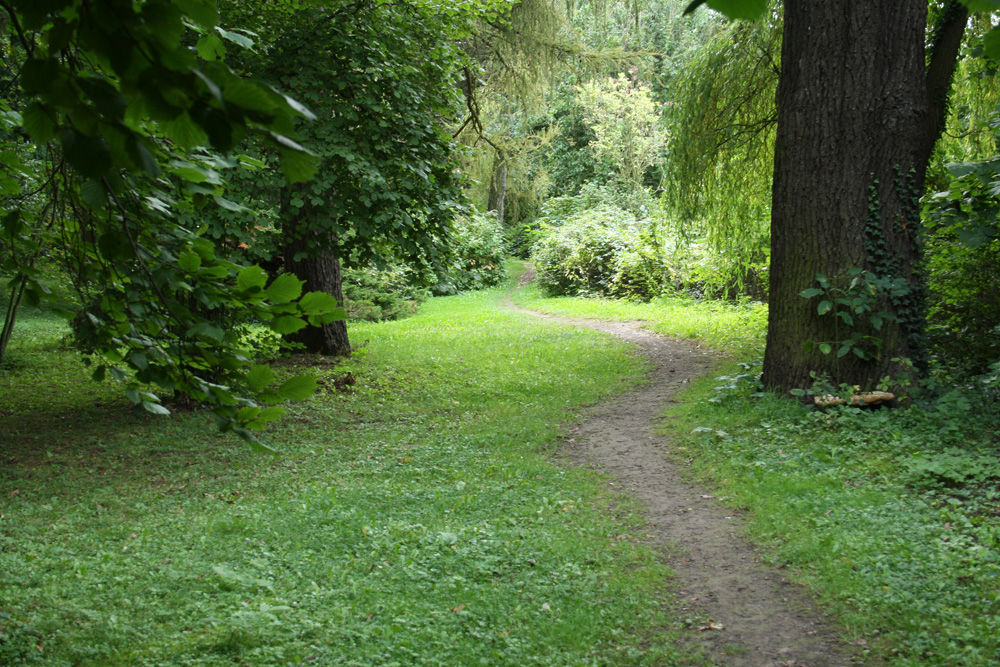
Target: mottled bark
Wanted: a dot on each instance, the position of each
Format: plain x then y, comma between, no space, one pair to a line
849,155
308,254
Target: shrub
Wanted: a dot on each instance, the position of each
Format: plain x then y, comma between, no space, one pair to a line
375,294
478,250
602,251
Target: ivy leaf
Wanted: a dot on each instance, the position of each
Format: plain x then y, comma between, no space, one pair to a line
811,292
824,307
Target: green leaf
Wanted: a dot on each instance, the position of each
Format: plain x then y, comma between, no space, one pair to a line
734,9
287,324
825,348
260,377
38,75
284,289
203,12
210,47
844,349
251,439
189,260
207,330
90,156
94,194
824,307
184,131
810,293
155,408
298,388
139,360
236,38
858,352
991,44
38,123
251,277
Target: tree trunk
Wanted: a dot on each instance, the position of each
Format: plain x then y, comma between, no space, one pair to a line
309,256
849,166
498,187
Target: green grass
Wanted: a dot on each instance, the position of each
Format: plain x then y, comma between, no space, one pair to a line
908,559
416,519
891,517
736,328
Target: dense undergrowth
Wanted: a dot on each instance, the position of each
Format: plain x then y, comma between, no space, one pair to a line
412,518
891,516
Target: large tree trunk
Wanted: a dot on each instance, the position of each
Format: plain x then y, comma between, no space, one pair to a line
849,164
308,256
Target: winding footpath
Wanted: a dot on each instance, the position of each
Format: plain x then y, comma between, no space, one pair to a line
746,613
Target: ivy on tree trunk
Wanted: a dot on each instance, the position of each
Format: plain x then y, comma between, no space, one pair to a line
849,165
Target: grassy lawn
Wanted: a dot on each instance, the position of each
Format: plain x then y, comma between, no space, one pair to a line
414,519
892,517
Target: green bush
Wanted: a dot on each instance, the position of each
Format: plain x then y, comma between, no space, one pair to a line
478,251
963,251
598,251
609,242
382,294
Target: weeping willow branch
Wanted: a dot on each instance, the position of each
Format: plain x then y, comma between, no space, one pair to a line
723,121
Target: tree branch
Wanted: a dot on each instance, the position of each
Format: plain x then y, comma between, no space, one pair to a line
945,45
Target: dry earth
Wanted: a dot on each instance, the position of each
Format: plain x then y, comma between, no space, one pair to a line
746,613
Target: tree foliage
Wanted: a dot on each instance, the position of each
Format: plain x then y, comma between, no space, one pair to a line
128,122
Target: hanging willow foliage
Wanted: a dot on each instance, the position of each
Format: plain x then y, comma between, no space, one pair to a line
718,178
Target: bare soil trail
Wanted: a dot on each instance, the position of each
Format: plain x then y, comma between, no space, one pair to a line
746,613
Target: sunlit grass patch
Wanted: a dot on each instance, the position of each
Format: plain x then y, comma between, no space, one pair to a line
734,328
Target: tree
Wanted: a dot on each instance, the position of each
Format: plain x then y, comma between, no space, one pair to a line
130,114
380,78
856,127
626,125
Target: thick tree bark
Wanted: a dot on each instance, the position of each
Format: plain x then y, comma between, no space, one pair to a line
309,257
849,164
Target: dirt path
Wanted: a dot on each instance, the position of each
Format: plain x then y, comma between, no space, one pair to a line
746,613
